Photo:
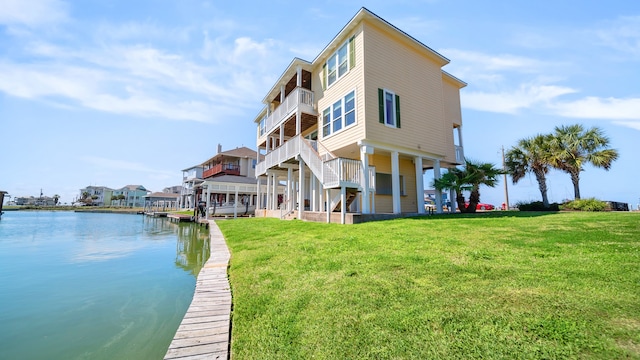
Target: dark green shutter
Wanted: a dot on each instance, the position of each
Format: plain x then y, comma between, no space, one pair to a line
397,111
381,105
352,52
324,76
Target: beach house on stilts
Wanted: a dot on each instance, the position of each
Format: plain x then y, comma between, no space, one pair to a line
352,132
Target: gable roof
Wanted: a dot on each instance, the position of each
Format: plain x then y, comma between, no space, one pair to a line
240,152
366,14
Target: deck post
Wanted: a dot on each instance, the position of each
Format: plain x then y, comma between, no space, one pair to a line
395,182
419,184
235,204
268,199
436,175
364,158
301,172
343,200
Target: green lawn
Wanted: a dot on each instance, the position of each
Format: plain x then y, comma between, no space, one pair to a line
497,285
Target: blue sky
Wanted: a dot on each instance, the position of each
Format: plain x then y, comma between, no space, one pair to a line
118,92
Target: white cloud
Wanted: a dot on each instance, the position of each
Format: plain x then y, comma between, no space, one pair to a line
32,13
482,62
600,108
511,102
623,34
123,165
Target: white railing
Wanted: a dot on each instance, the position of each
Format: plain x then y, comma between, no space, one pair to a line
459,154
299,97
340,170
332,173
311,158
287,151
372,178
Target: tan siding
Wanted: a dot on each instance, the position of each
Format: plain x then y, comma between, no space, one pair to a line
408,170
452,116
416,79
353,80
384,203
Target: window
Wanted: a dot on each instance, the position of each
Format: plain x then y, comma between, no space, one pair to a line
384,185
339,63
253,163
389,108
263,124
326,122
350,109
339,115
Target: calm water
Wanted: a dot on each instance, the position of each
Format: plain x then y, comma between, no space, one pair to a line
94,286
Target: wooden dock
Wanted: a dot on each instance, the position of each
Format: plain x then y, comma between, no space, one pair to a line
181,217
205,330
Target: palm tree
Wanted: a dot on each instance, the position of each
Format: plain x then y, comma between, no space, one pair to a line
573,147
480,174
468,179
531,155
454,179
56,198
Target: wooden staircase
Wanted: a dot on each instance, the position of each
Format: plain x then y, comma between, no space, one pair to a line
351,196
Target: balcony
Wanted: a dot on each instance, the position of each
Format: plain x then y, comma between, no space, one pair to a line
221,169
298,98
459,154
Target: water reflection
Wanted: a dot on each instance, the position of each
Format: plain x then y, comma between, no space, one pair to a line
192,247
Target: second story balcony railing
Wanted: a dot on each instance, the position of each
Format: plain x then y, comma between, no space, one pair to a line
228,169
459,154
298,98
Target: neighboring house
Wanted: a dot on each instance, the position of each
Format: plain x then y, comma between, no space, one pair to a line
228,179
161,201
176,189
98,195
23,200
225,180
355,129
34,201
190,178
133,195
239,161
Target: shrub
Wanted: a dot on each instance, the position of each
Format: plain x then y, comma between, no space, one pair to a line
591,204
537,206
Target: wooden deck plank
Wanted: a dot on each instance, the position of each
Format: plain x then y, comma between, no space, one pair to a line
204,332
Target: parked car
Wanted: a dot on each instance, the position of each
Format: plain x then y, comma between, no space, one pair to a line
482,206
429,205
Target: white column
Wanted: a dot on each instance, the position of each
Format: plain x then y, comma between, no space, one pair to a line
289,189
281,134
298,121
419,185
282,96
395,182
268,202
343,207
208,199
436,175
235,204
258,202
274,183
320,198
301,172
364,159
299,76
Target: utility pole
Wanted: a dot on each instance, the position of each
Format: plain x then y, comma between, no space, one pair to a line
506,188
